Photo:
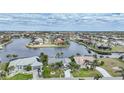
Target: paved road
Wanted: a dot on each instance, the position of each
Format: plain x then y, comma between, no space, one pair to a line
103,72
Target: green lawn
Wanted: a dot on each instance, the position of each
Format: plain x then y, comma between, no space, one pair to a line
118,49
58,73
109,63
84,73
21,77
4,66
48,72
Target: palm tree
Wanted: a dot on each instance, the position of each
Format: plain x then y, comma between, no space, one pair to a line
58,55
11,56
14,56
62,54
87,62
41,54
94,64
2,74
59,64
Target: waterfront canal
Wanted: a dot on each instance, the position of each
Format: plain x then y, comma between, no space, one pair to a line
18,47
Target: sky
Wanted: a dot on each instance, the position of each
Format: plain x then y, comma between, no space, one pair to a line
61,21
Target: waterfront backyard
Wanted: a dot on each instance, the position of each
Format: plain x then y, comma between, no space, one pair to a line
17,49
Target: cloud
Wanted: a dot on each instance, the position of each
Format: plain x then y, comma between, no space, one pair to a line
79,21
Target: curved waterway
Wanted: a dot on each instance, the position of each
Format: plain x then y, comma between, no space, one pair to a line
18,47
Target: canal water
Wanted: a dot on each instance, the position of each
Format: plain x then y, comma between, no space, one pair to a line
18,47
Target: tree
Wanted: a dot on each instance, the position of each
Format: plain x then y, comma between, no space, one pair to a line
102,63
46,72
87,63
95,55
59,64
74,65
6,66
94,64
15,56
62,54
72,58
28,68
41,54
8,55
121,57
58,55
2,74
44,59
11,56
97,77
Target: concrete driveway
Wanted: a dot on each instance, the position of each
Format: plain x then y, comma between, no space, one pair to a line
103,72
68,73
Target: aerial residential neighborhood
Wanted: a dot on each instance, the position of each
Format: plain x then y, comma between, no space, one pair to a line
62,46
61,55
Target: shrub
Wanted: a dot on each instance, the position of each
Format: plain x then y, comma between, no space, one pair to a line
46,72
102,63
28,68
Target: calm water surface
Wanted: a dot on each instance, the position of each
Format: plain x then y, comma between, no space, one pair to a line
18,47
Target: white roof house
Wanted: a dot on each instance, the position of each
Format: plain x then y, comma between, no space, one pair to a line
39,40
20,63
64,60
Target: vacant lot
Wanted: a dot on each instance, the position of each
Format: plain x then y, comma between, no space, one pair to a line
84,73
118,49
109,63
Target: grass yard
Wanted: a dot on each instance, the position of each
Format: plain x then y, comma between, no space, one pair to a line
118,49
84,73
58,73
109,63
21,77
4,66
48,72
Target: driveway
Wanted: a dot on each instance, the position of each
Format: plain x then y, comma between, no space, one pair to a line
35,75
103,72
68,73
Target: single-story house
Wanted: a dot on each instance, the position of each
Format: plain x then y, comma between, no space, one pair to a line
65,61
38,41
59,41
81,60
20,64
